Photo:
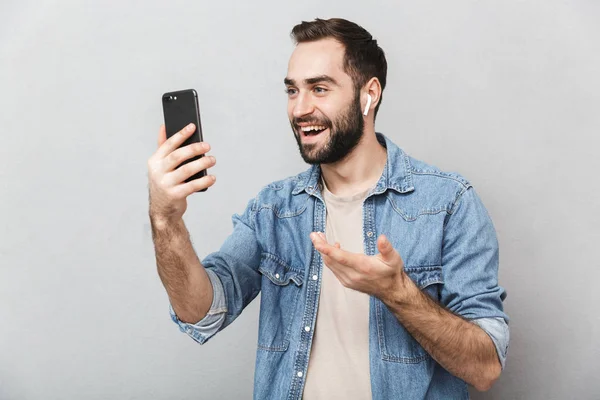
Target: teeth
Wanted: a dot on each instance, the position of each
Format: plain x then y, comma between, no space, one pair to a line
312,128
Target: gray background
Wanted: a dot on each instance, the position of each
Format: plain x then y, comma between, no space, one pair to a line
504,92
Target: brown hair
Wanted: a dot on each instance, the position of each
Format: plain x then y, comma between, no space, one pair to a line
363,58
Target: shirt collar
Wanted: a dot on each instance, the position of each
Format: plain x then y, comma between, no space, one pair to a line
396,173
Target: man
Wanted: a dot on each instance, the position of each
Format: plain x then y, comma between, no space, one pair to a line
377,272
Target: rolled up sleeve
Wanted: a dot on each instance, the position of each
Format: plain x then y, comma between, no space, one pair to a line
497,330
470,262
208,326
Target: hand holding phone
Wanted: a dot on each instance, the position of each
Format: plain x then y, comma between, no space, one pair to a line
178,167
181,108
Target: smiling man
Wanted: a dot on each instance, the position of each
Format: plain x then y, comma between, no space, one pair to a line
378,273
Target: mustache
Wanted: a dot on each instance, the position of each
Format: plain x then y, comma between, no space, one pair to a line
312,121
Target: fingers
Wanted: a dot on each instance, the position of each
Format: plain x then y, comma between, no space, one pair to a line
318,240
168,169
190,187
162,135
334,252
343,264
174,141
178,156
346,274
191,168
318,237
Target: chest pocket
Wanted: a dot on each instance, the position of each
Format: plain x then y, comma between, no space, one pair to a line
395,343
280,291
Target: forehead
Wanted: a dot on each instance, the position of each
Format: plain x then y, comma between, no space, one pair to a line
321,57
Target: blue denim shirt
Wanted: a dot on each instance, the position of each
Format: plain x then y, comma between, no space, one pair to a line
434,219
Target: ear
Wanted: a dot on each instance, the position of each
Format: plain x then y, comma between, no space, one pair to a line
372,91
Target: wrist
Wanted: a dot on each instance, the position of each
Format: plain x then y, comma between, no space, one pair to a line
403,291
161,223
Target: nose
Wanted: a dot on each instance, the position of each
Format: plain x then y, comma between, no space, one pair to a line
302,106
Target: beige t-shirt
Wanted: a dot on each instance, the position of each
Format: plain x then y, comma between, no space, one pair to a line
338,367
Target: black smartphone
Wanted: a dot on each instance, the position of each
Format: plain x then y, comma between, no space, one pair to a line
181,108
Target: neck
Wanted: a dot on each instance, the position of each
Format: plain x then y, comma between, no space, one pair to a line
358,171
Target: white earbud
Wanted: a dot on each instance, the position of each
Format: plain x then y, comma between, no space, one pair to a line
368,105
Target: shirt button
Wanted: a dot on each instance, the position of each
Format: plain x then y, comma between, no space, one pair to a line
315,277
188,329
369,234
299,374
307,328
277,276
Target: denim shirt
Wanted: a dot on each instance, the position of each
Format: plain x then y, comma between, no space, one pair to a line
434,219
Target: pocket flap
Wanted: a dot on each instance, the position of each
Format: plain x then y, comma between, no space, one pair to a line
425,276
278,271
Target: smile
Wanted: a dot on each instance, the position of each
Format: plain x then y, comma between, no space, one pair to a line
312,130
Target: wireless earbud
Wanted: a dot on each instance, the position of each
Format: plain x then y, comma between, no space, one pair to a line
368,105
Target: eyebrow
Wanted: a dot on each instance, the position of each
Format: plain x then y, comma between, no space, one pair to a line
312,81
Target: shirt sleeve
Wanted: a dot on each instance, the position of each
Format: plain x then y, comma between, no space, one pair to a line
470,261
498,331
208,326
234,275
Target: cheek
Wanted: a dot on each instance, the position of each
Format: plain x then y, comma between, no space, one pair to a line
330,109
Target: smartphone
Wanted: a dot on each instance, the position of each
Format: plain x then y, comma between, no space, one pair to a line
181,108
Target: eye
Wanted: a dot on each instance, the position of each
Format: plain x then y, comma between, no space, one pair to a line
320,90
290,91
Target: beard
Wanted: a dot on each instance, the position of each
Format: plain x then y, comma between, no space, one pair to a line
345,134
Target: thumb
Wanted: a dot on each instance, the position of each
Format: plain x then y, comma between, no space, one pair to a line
385,248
